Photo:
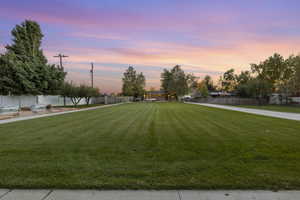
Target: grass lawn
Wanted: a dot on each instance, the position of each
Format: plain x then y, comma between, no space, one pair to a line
279,108
151,146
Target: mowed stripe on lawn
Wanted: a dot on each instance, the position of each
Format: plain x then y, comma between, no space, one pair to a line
151,146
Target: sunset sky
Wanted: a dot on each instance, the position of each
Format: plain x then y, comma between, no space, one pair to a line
203,36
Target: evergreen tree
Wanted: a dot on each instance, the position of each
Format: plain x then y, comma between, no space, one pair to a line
27,40
24,68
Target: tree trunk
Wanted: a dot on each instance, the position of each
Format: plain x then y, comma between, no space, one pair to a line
87,100
73,101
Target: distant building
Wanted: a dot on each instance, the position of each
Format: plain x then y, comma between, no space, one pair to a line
157,95
221,94
277,98
197,94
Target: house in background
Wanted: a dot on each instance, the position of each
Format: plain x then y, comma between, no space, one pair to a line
155,95
276,98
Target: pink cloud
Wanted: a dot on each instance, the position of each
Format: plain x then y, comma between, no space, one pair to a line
100,36
216,58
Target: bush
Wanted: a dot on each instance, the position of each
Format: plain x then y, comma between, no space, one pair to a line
25,109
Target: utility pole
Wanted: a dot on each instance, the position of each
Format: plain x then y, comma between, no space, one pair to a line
92,74
60,56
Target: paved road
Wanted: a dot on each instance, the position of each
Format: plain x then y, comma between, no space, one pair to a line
147,195
53,114
282,115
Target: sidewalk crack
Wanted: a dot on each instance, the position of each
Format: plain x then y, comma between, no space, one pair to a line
179,195
47,195
5,194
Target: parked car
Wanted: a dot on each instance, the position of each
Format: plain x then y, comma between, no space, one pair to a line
150,100
186,98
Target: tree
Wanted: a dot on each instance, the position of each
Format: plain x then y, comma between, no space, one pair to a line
16,77
202,89
293,82
129,81
166,78
27,40
209,83
228,82
72,91
259,89
192,82
175,82
139,89
278,72
296,79
24,64
77,93
133,83
273,70
242,84
243,77
88,92
179,84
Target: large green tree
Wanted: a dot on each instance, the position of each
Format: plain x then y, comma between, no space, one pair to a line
296,80
24,68
293,85
228,81
274,70
166,77
133,83
254,88
175,82
278,72
243,77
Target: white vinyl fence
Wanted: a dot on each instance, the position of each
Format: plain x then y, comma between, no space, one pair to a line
110,100
21,101
56,100
28,101
295,100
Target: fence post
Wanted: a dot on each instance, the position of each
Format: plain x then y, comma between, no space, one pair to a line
105,100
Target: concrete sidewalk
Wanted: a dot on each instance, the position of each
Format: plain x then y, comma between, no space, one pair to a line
54,114
147,195
282,115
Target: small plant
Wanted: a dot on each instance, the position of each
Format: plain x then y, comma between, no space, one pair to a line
49,106
25,109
